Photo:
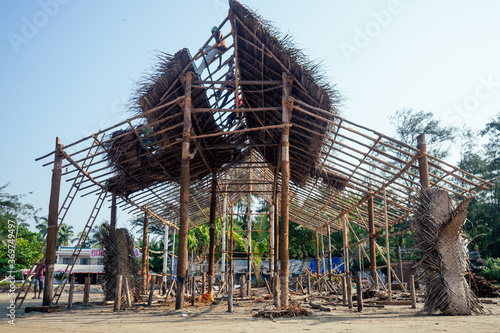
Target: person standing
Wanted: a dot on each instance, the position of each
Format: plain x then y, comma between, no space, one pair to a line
39,279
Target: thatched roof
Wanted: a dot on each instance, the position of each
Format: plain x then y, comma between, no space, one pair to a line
335,165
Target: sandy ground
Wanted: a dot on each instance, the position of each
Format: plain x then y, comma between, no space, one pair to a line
163,318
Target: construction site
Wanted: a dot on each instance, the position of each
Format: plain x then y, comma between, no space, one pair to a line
249,117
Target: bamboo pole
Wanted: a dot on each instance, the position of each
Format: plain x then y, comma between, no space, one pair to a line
211,250
165,256
126,287
330,270
52,225
346,262
372,235
285,188
151,292
413,298
387,248
317,254
359,290
184,196
231,277
145,256
224,237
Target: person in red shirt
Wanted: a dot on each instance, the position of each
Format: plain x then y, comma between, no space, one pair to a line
39,280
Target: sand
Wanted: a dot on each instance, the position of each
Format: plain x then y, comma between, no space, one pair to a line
206,318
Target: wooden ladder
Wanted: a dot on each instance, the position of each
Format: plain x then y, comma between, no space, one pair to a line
40,257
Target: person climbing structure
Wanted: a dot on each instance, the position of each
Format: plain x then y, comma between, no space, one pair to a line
210,52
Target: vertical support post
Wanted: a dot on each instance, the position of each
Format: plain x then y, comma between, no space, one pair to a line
346,262
344,290
317,253
413,297
401,265
330,268
249,237
126,287
50,250
203,282
308,284
231,277
230,293
285,187
387,249
165,255
271,244
211,249
145,256
276,282
172,256
223,227
184,195
372,236
118,294
359,290
151,292
112,220
86,291
242,286
193,290
71,292
423,165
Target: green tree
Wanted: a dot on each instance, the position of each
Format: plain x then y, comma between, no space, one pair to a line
64,235
483,225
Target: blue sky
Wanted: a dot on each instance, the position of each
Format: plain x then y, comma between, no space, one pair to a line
69,66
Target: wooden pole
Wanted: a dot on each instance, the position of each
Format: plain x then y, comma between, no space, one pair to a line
230,293
112,220
184,195
86,291
145,257
242,286
165,257
387,249
71,291
271,245
308,284
285,188
423,165
193,290
118,293
52,225
151,292
344,289
413,297
359,290
346,262
401,265
230,277
317,254
224,236
211,249
372,236
128,297
276,282
249,238
203,282
330,268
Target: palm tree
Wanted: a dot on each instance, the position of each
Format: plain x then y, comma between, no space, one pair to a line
64,235
42,225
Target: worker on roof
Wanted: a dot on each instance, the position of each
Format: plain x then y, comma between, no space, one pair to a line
210,52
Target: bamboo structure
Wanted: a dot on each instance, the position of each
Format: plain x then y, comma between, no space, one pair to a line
229,133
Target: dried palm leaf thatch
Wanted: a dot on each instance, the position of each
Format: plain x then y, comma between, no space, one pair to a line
437,227
118,258
292,310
